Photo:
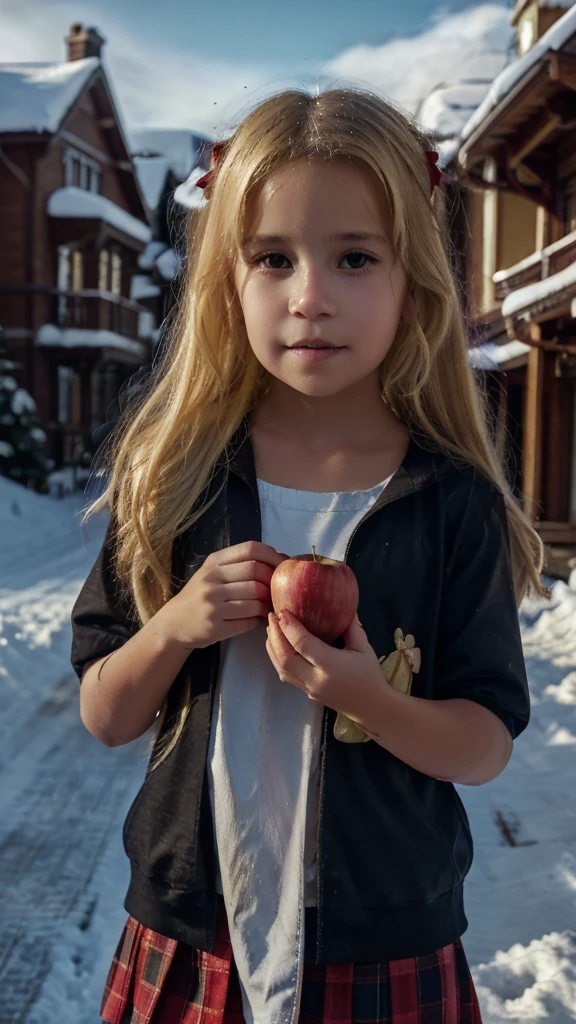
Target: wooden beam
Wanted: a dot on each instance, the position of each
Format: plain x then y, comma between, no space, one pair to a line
534,133
532,447
562,68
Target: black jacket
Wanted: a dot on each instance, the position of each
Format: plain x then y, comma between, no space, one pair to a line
394,845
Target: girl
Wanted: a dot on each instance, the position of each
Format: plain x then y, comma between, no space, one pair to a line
298,848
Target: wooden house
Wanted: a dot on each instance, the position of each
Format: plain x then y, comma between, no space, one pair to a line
516,158
73,223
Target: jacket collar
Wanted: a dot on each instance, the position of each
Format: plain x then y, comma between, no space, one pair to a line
418,468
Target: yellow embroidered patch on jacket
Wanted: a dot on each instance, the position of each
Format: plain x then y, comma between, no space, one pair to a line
398,669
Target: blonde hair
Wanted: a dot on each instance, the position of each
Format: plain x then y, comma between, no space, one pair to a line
167,444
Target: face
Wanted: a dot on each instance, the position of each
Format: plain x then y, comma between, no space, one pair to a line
317,269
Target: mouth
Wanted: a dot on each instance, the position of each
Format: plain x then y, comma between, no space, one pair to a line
318,344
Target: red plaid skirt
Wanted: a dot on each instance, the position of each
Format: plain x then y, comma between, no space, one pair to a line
156,980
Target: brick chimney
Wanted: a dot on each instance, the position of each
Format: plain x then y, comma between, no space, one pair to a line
83,42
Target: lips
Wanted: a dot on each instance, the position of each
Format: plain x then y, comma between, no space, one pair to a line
318,343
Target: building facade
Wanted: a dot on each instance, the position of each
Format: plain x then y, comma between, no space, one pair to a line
516,163
73,224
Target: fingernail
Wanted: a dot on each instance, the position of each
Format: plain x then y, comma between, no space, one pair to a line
282,618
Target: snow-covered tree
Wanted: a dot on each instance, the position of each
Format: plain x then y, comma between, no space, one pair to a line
22,440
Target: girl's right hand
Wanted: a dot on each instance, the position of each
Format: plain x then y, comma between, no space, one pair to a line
228,595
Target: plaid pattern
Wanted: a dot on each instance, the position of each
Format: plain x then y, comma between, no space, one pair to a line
155,980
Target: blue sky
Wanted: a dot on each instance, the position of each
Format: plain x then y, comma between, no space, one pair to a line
200,64
272,32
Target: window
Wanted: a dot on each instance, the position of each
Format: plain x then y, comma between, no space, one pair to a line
68,389
116,281
103,270
77,271
81,171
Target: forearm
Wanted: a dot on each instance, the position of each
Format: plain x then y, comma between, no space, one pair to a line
120,694
452,740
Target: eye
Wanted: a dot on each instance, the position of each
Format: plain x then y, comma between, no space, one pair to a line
272,261
358,260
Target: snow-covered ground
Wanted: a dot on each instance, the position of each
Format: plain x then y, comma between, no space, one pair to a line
63,798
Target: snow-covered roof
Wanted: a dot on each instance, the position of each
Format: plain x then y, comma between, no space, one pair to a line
169,264
502,86
76,203
187,194
156,151
538,291
147,259
142,287
36,97
490,356
72,337
446,109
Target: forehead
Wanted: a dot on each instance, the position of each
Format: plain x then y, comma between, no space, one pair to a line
308,194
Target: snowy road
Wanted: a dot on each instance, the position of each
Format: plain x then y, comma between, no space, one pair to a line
64,797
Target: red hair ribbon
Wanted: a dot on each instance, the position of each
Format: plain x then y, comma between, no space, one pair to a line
435,172
215,154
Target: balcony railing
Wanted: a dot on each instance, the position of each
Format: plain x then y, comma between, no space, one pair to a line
540,265
97,311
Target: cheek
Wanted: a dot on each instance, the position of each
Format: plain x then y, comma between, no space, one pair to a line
263,307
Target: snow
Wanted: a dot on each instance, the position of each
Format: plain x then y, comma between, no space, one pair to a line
72,202
528,261
169,264
152,173
490,356
446,110
142,287
36,97
520,899
147,259
158,151
187,194
522,298
179,148
71,337
554,39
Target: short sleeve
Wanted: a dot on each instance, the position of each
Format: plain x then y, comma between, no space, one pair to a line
479,653
101,618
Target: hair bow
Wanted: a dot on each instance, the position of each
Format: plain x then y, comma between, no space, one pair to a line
435,172
215,155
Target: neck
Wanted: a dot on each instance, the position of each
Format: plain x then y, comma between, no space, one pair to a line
353,418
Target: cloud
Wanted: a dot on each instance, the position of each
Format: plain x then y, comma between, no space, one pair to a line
471,44
172,86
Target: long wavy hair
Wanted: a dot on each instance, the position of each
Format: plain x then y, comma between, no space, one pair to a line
166,445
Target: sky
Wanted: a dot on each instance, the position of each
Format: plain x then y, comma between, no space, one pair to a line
200,64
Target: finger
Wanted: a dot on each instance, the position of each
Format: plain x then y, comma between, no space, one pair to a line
242,572
248,590
285,677
245,609
290,662
250,550
309,647
355,637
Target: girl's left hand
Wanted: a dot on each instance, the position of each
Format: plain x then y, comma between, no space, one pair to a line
349,680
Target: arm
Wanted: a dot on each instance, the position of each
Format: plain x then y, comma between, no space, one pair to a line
451,740
121,693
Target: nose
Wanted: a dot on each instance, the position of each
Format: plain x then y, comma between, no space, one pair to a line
311,296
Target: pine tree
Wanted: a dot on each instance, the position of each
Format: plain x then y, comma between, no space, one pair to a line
22,440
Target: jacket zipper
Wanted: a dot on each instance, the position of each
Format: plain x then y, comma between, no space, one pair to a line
383,500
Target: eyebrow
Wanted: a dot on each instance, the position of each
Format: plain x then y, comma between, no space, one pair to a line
350,236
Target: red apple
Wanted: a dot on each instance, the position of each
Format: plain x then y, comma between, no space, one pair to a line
321,592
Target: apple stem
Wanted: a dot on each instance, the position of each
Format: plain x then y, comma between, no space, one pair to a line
314,554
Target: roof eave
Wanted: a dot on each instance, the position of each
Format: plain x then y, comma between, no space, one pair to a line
498,115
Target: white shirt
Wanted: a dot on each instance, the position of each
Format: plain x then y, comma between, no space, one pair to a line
263,772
